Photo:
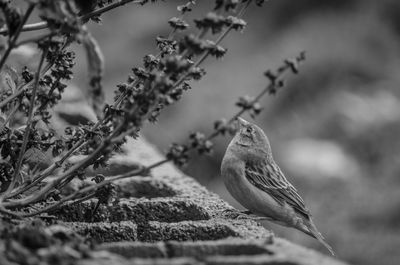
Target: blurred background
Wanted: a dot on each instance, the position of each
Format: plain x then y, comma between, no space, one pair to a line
334,129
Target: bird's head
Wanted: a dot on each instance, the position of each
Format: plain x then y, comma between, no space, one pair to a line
250,138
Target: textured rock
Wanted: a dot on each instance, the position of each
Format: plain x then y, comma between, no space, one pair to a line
136,249
106,232
226,247
137,210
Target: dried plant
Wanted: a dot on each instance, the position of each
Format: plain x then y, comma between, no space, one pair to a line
28,96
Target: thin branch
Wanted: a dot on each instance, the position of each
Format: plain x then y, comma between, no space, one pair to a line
108,8
41,194
80,192
29,27
43,25
207,53
22,88
136,82
16,35
77,194
28,128
268,88
11,213
83,163
47,172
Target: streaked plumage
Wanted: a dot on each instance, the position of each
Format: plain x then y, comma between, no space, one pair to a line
256,181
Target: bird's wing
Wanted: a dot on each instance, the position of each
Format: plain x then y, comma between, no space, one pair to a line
269,178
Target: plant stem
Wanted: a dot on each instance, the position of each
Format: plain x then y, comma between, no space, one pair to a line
243,110
28,128
11,213
207,53
43,25
16,35
45,173
22,88
108,8
94,187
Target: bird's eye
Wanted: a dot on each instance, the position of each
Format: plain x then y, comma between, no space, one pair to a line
249,129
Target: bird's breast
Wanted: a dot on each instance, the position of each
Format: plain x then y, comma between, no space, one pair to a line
257,201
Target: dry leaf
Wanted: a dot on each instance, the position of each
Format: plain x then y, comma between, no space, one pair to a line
8,80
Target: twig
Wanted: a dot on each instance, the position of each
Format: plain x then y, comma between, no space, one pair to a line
22,88
43,25
28,128
207,53
136,82
136,172
49,170
50,93
81,192
16,35
45,173
11,213
40,194
268,88
108,8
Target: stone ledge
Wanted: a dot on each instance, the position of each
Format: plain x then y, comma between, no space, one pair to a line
105,232
138,210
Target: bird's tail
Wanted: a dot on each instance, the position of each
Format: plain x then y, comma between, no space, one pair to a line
313,231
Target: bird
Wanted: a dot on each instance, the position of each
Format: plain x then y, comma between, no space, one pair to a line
254,179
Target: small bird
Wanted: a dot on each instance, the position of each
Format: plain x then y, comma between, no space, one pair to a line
254,179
